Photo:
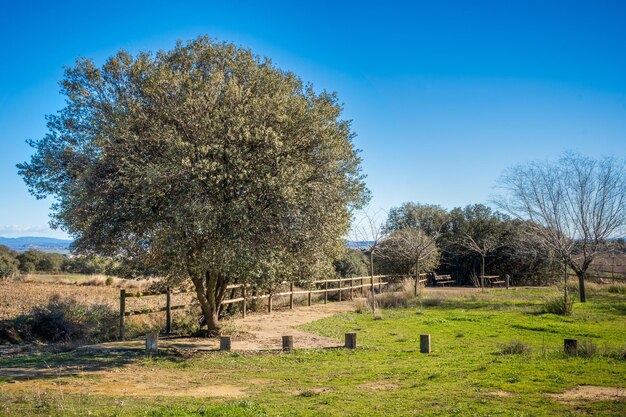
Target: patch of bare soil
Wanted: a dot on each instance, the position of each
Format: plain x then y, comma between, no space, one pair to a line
379,386
258,331
499,393
590,392
133,381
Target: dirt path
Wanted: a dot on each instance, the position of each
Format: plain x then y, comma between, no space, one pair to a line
258,331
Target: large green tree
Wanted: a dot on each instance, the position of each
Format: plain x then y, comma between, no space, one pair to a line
206,162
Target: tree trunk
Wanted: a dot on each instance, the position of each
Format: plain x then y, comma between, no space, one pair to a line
417,274
210,289
565,292
372,283
581,287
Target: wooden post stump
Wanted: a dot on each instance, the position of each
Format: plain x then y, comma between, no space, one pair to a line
244,294
287,343
325,292
508,280
424,343
570,346
350,341
225,343
269,304
152,342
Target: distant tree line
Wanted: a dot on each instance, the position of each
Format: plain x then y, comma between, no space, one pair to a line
35,261
463,242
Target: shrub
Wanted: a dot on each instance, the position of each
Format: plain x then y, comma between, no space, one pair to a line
616,288
395,299
109,281
558,305
62,320
587,349
514,347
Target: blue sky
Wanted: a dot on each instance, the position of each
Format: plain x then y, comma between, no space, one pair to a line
443,95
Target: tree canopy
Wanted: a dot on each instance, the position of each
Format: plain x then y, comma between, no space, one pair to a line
206,162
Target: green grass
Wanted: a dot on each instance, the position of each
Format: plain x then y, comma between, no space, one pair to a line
386,375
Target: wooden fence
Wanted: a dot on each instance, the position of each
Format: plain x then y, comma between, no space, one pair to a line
247,294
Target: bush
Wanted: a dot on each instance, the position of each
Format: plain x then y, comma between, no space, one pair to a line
396,299
62,320
8,265
109,281
587,349
616,288
514,347
557,305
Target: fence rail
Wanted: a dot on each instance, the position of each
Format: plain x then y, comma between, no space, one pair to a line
337,285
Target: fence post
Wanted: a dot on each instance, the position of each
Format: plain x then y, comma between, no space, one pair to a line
350,341
325,291
152,342
507,278
352,288
168,311
570,346
291,296
424,343
245,301
122,312
339,282
287,343
269,303
362,290
225,343
309,298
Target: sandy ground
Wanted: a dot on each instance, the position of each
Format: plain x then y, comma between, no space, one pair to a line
258,331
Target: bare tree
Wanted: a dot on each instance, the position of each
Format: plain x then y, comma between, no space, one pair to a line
574,206
368,233
482,245
416,248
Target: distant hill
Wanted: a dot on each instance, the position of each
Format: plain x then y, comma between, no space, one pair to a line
44,244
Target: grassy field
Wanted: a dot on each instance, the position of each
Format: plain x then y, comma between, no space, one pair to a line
467,373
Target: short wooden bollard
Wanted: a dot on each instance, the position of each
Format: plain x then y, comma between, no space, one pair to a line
287,343
424,343
152,342
570,346
350,340
225,343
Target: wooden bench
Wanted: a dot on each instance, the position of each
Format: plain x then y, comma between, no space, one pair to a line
493,280
442,280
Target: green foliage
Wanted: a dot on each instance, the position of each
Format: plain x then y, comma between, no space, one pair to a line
353,263
558,305
463,233
204,162
514,347
8,263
